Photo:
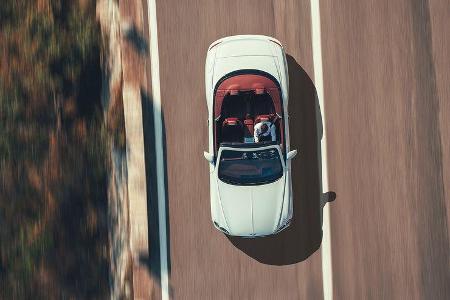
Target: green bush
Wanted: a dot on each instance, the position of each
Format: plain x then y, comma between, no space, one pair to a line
53,152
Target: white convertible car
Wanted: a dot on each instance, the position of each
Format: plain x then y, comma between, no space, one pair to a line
247,83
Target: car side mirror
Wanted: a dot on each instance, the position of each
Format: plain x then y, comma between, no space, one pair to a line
291,154
208,156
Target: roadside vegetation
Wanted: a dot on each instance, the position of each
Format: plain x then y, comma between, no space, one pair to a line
53,152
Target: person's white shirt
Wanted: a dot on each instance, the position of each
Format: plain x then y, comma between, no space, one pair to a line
270,131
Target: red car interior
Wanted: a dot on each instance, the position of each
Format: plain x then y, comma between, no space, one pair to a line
242,101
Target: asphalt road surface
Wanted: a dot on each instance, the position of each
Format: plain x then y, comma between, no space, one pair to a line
387,101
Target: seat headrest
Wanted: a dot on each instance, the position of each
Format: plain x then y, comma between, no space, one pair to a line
231,121
263,118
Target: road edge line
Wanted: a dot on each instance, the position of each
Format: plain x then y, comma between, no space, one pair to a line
327,272
159,150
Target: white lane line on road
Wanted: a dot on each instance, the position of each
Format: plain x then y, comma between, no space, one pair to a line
327,274
159,150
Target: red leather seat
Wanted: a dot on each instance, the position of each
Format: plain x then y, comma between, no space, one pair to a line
263,118
232,130
231,122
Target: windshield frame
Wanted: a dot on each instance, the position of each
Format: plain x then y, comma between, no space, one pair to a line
248,149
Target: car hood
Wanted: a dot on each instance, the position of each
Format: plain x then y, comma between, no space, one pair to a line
251,210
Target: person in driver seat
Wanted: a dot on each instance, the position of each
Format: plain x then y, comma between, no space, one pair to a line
265,131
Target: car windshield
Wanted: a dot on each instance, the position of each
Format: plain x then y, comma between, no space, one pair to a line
250,167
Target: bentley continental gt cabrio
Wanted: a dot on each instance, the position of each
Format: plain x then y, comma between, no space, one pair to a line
249,157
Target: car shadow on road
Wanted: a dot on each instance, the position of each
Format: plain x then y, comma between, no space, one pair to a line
304,236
